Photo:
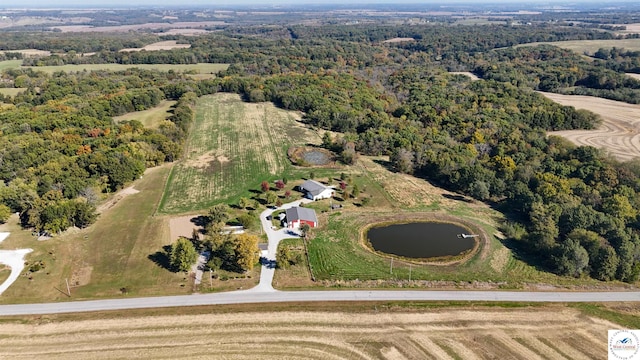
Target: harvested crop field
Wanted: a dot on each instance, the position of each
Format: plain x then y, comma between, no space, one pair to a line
231,148
619,133
521,333
161,45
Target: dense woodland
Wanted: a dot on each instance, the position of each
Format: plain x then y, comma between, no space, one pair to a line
572,209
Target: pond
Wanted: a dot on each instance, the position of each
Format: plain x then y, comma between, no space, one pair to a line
420,240
315,157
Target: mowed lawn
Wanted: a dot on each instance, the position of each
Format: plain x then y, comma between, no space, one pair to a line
232,147
108,259
151,118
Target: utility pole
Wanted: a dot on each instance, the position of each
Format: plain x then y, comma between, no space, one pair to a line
409,272
68,289
391,269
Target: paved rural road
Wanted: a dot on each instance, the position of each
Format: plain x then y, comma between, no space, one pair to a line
252,296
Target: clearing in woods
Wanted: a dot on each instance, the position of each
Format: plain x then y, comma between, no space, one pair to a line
200,68
591,46
546,332
151,118
619,133
231,148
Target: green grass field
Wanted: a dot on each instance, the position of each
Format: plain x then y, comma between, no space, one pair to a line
591,46
232,147
11,91
105,258
150,118
10,64
201,68
336,254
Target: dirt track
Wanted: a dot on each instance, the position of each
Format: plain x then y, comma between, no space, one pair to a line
619,133
527,333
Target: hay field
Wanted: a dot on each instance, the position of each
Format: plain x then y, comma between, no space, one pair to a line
161,45
619,133
591,46
199,68
11,91
231,148
552,332
151,118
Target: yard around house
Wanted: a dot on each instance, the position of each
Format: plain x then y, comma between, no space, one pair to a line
232,147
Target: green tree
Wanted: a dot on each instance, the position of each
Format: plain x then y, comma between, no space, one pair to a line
183,254
283,257
605,264
244,202
5,212
271,197
219,214
305,229
246,251
248,221
355,191
573,259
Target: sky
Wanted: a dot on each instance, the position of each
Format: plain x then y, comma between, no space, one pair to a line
213,3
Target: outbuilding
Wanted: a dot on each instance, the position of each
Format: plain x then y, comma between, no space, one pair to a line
296,216
315,191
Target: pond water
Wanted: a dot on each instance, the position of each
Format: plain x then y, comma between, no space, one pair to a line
314,157
420,240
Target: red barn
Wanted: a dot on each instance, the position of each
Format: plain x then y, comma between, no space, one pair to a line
297,216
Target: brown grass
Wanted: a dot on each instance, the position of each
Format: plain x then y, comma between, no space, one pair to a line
161,45
552,332
619,133
399,39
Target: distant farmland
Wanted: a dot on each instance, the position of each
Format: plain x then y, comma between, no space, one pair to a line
201,68
591,46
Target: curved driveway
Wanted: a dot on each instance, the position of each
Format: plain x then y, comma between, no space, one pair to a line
265,293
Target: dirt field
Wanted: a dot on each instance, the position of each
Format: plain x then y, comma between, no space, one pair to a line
552,332
619,133
182,226
162,45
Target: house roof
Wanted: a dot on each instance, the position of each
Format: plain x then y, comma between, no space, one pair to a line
313,187
299,213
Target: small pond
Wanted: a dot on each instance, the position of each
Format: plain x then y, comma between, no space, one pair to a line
315,157
420,240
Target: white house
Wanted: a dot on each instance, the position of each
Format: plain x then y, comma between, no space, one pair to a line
316,191
297,216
